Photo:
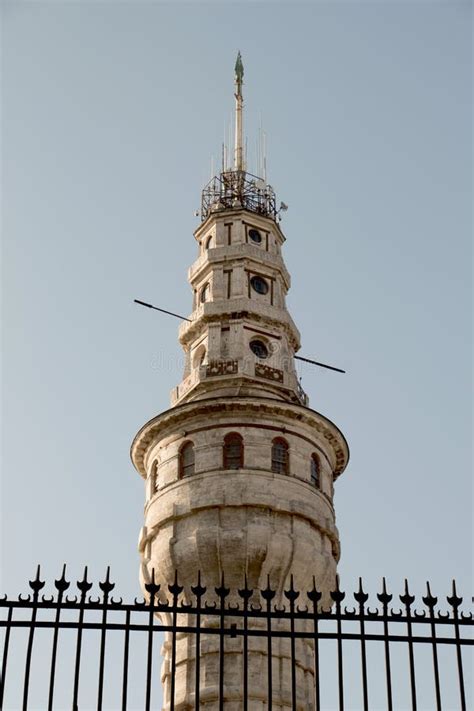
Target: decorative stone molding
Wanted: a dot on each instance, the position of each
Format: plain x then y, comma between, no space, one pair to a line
265,371
221,367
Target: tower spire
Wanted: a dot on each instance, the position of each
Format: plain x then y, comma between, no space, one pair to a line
238,152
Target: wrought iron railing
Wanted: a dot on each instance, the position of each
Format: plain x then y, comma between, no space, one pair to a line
237,189
353,631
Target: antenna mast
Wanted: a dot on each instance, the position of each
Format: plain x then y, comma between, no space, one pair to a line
238,154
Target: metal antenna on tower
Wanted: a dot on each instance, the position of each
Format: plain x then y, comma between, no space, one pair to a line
239,101
264,144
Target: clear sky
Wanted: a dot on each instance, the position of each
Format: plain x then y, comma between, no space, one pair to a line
111,112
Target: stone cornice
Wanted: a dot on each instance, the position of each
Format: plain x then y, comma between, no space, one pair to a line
256,406
255,259
218,311
267,222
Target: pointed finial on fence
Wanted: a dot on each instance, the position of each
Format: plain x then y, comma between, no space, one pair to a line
152,588
268,593
175,589
222,591
360,596
106,586
37,584
62,584
454,599
406,598
245,593
384,597
291,594
337,594
314,595
429,599
198,590
84,585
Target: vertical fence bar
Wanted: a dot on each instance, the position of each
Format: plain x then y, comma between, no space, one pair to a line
175,590
61,586
36,585
245,594
408,600
246,650
126,643
385,598
84,586
361,597
338,596
222,592
455,602
5,655
268,594
106,588
198,591
152,589
292,595
430,602
315,596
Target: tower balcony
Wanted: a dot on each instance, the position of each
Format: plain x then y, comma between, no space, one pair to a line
229,375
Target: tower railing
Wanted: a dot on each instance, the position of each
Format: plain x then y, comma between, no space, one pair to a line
238,189
80,651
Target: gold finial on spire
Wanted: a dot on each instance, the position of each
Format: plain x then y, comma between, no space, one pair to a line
238,153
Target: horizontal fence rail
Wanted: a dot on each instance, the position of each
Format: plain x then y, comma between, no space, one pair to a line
386,656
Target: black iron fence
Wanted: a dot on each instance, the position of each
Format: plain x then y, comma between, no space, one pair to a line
393,655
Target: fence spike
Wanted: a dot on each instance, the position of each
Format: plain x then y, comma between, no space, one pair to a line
37,584
454,599
337,594
83,585
198,590
406,598
106,586
61,583
314,595
429,599
384,597
175,589
360,596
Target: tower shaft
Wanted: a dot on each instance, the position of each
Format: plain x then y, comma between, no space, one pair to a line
239,472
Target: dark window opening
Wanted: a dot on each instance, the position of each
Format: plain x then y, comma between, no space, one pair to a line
255,236
233,451
280,456
204,293
186,460
315,471
259,349
259,285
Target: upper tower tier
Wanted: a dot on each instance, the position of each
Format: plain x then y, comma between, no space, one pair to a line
240,338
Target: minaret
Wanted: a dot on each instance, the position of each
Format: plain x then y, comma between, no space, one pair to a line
239,471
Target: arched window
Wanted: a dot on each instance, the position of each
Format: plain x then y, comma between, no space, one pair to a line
315,471
154,478
233,451
209,243
280,456
186,459
204,293
199,356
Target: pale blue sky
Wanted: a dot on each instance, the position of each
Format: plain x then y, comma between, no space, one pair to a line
111,112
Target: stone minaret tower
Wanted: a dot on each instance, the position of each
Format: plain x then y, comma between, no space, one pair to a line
239,471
